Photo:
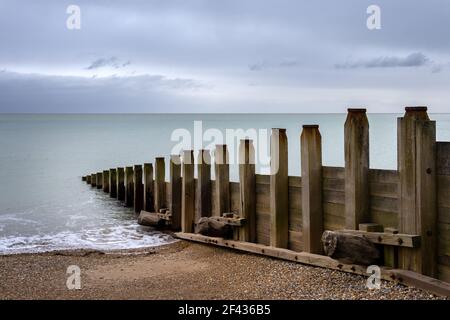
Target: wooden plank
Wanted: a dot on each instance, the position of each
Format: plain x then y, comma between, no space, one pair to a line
175,191
423,282
99,180
332,223
279,189
333,184
386,219
443,183
356,140
159,188
120,184
94,180
222,173
390,252
443,158
113,183
333,172
384,204
417,167
129,187
334,209
188,192
399,240
382,189
88,179
203,186
138,192
105,184
384,176
148,187
336,197
295,182
370,227
312,210
263,179
247,190
444,214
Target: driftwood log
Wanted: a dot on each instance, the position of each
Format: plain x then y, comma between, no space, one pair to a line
150,219
350,248
213,228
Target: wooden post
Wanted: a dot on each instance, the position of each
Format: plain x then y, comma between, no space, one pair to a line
83,178
138,191
247,190
391,252
312,210
160,181
148,187
222,172
99,180
418,207
94,180
88,179
113,183
106,181
175,191
129,187
356,140
120,184
188,192
203,185
279,189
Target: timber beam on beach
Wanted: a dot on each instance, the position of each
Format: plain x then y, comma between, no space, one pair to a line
402,276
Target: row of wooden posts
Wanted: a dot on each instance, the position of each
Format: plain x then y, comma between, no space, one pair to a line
144,186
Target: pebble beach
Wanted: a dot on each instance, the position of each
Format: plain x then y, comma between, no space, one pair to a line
183,270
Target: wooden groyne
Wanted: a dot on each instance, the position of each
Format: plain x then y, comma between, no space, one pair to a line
405,213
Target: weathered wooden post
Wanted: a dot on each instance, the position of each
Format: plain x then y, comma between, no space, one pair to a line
138,191
120,184
222,173
148,187
94,180
129,187
83,178
106,181
247,190
203,185
160,181
175,191
113,183
356,140
88,179
418,207
312,210
99,180
279,189
188,192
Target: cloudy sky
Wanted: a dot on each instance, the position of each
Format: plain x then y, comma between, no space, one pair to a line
223,56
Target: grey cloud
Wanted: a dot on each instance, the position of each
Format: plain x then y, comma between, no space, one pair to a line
113,62
284,63
417,59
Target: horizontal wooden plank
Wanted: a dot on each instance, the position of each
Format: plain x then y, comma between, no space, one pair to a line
334,209
381,189
444,214
386,219
384,176
295,242
337,197
399,239
443,191
332,223
333,172
383,204
443,158
262,179
406,277
295,198
333,184
444,273
294,181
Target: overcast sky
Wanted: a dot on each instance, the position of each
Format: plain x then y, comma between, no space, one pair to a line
223,56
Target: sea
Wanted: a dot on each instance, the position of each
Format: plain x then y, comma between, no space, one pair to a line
44,205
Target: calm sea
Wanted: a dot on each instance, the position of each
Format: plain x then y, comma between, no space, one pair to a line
45,206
